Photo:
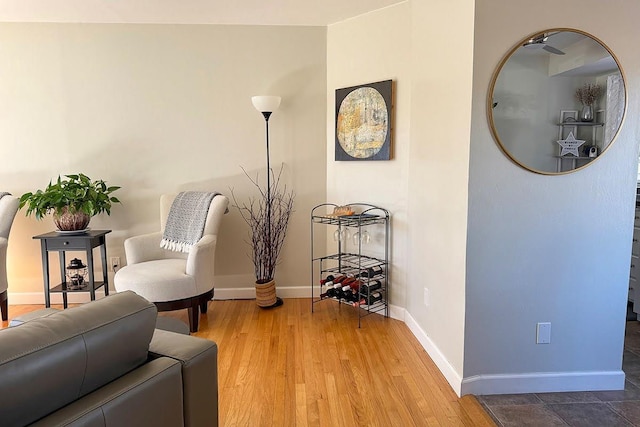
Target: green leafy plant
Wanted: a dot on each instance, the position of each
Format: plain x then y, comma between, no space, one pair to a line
77,193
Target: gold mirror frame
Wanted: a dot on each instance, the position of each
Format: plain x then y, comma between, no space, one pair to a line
490,99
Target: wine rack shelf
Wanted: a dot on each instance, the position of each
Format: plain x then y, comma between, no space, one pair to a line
362,243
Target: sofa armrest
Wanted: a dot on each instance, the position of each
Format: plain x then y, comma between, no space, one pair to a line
143,248
199,359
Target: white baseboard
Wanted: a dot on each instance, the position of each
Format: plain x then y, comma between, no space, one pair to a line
397,313
543,382
451,375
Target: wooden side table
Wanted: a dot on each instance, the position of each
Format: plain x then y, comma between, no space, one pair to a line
62,242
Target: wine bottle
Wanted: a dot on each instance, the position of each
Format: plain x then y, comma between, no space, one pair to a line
371,272
339,279
351,296
370,299
348,281
331,290
352,285
334,281
347,285
375,271
329,278
367,288
339,293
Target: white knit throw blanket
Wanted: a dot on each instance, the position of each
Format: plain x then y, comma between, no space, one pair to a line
185,223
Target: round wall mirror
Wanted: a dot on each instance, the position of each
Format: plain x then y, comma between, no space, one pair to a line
556,101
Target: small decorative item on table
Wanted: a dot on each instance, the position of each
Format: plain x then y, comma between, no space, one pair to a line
76,275
341,211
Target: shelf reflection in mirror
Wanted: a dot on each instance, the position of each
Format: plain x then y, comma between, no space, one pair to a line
532,104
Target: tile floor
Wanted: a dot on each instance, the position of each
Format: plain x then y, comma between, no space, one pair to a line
583,409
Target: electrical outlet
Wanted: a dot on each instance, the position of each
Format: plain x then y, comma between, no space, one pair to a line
543,333
114,263
426,297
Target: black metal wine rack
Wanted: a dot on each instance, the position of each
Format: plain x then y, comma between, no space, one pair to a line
354,253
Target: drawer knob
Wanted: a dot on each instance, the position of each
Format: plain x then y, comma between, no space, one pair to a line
635,240
633,266
65,243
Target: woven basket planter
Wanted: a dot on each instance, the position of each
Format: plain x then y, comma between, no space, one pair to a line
266,294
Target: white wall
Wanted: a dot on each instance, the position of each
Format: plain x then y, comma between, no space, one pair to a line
367,49
161,108
442,71
548,248
425,185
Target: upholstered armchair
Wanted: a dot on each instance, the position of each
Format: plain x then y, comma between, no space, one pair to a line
173,280
8,209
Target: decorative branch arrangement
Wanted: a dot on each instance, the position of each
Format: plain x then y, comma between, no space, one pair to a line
588,94
268,218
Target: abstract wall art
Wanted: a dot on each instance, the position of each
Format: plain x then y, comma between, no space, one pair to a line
363,122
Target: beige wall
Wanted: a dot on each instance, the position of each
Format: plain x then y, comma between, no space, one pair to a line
425,185
161,108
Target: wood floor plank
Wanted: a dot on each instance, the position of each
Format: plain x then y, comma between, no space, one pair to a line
290,367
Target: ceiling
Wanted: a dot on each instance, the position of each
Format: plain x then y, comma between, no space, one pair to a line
243,12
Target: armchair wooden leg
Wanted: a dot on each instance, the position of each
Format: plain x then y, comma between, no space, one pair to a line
194,315
203,306
4,305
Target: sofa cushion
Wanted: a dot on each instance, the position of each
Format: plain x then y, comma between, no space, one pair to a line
159,280
71,353
148,396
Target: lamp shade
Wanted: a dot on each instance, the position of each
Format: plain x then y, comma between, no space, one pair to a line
266,104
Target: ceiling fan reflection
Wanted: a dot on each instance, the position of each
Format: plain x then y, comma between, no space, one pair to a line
540,42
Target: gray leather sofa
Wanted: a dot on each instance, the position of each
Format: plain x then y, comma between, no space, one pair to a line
105,364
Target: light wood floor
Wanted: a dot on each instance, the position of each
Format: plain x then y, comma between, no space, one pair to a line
289,367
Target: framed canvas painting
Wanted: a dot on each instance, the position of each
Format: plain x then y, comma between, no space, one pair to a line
363,122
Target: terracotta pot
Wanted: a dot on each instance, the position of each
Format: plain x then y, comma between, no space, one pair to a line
67,221
266,295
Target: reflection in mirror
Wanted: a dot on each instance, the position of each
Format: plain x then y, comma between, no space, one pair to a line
556,101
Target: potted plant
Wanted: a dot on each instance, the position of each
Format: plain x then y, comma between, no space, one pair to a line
72,201
268,217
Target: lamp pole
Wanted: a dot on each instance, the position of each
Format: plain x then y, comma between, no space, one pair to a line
267,105
266,115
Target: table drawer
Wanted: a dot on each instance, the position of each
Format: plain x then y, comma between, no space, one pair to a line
636,220
66,244
635,268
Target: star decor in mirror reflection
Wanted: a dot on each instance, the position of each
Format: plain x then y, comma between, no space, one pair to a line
570,145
